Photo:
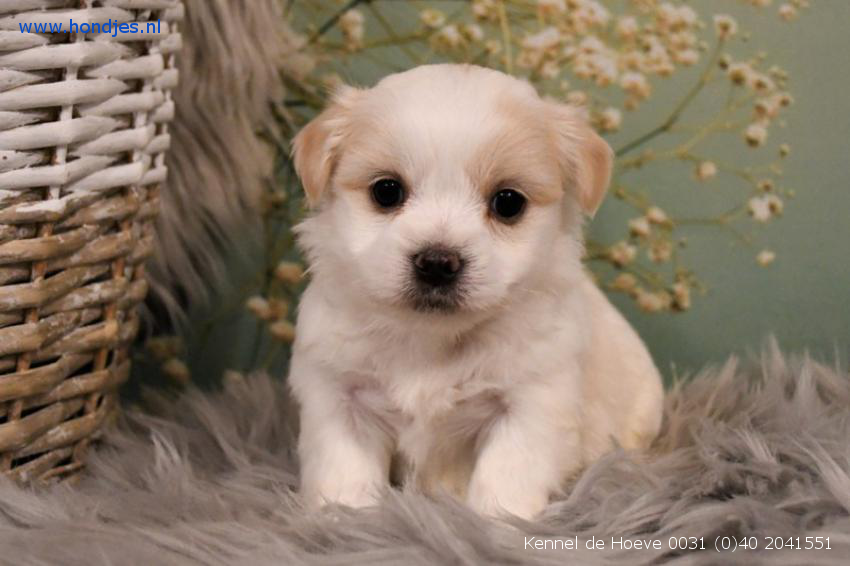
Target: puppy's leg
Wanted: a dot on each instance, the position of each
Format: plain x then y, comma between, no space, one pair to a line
344,459
528,452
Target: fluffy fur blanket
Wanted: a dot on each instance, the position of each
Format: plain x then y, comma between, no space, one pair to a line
761,453
218,164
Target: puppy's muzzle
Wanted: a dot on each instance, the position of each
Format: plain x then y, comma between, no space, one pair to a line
437,266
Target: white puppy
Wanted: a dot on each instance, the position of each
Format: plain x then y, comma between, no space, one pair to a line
449,320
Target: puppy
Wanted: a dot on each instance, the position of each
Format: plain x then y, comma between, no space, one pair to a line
448,320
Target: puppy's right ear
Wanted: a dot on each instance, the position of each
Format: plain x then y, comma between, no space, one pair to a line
316,147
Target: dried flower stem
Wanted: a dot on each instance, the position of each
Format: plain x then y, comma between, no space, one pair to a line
332,21
674,116
507,39
393,38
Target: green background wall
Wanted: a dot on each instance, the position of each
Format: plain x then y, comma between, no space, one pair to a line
803,298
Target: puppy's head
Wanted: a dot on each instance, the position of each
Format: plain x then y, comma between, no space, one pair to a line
445,189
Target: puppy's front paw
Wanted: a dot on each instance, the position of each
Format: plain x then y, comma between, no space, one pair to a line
502,501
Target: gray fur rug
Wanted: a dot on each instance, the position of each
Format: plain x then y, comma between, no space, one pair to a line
761,452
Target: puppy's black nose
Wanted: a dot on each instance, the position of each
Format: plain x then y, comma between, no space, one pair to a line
437,266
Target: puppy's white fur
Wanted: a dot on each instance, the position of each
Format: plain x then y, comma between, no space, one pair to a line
534,375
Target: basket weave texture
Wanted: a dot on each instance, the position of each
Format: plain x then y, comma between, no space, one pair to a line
83,136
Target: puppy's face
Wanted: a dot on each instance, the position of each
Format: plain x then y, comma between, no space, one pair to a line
442,189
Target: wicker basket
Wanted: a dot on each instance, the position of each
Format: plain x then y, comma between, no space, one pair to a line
83,133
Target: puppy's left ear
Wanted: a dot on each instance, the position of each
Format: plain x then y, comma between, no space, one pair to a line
315,149
586,158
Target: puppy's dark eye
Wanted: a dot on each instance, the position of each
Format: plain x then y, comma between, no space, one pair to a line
388,193
507,205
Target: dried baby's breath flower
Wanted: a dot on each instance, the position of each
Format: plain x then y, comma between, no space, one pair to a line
550,70
432,18
784,99
278,309
547,38
759,209
448,37
610,119
639,226
590,13
622,253
755,134
784,150
551,7
624,282
656,216
660,251
656,57
627,27
644,6
289,272
671,17
763,208
776,205
705,170
636,85
766,108
351,24
778,73
259,307
597,63
725,26
686,57
282,330
577,98
681,296
485,9
740,73
683,40
632,60
788,12
473,32
688,16
765,257
631,103
765,185
761,83
652,301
